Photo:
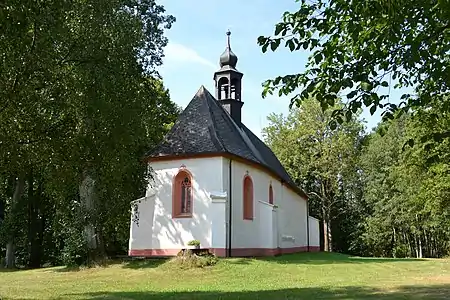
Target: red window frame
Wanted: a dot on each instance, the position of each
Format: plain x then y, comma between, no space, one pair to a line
182,195
247,198
270,194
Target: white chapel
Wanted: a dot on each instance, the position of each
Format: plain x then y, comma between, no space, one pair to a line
216,182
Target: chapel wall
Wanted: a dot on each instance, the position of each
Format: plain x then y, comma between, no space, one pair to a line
288,214
247,233
314,234
292,221
160,230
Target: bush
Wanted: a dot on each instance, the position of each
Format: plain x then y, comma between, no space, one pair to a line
187,259
75,250
194,243
400,251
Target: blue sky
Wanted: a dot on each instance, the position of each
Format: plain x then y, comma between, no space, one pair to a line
197,39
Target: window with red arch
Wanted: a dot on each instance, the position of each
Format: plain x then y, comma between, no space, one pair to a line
248,198
270,194
182,195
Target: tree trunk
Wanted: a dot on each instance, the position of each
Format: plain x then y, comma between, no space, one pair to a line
327,232
330,241
326,214
395,237
35,231
10,258
420,246
91,234
325,236
419,238
415,245
408,242
427,244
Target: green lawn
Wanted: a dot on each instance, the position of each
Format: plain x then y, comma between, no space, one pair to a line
298,276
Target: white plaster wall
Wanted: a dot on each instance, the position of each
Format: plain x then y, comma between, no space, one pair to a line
292,218
314,238
157,229
290,214
226,187
141,221
285,225
266,228
218,221
246,232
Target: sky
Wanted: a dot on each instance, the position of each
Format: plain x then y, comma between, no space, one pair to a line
198,38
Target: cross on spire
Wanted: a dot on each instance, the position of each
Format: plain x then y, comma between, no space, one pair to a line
228,38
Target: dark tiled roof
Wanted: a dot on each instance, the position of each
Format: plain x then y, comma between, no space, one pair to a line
205,127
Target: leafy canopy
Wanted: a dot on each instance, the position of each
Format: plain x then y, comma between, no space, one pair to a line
406,189
321,160
80,98
360,48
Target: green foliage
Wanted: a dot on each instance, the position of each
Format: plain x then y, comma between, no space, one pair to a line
80,98
400,251
75,250
358,49
189,260
361,51
407,190
380,196
194,243
322,159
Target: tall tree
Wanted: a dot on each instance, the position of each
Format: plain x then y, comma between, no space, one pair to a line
406,189
82,101
359,47
321,159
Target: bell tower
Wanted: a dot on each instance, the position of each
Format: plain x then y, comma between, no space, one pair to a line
228,83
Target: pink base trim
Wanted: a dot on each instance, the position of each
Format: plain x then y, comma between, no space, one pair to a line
153,252
221,252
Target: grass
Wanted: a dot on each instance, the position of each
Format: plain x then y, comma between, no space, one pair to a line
297,276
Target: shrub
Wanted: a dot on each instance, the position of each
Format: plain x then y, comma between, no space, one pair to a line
194,243
400,251
187,259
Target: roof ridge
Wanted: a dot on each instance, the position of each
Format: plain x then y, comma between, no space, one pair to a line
245,139
205,126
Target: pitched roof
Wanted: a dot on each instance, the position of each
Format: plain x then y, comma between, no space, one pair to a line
206,127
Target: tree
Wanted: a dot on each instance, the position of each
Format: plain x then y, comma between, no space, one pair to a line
359,47
406,189
320,159
361,51
81,102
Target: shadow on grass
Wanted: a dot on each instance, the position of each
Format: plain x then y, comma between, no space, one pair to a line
145,263
5,270
436,292
128,264
311,258
321,258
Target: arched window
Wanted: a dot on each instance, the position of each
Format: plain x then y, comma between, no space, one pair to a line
182,195
223,88
270,194
248,198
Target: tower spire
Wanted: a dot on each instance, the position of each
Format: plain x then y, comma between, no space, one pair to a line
228,58
228,83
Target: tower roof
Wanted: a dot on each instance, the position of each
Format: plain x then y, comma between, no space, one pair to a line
205,127
228,58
